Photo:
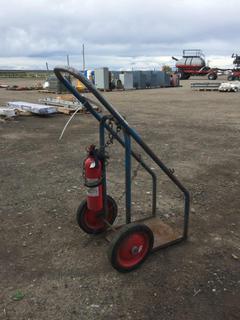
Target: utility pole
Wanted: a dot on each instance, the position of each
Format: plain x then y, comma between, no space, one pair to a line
68,60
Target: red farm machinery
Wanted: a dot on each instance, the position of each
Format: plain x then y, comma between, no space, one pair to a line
235,72
193,63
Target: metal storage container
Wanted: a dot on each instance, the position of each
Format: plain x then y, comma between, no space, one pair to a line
166,79
148,75
102,78
161,79
139,80
154,78
127,80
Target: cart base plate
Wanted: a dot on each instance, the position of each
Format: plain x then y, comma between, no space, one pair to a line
162,232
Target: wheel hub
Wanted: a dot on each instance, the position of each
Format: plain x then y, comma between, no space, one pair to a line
136,250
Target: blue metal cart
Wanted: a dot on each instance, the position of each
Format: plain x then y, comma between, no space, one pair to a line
131,243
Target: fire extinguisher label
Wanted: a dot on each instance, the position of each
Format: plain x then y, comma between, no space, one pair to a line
93,192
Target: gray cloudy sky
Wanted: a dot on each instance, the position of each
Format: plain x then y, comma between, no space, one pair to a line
120,34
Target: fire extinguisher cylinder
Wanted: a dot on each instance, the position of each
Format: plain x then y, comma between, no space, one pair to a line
93,177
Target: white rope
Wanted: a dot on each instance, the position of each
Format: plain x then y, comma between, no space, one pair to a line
72,116
69,120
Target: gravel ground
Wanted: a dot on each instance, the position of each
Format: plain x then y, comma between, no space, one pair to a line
50,269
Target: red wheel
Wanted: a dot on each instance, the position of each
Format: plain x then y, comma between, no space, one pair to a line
130,247
91,221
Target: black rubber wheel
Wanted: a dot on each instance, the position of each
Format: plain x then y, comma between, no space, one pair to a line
91,222
212,76
130,247
231,78
183,75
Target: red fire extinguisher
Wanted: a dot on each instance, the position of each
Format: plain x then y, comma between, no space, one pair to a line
93,180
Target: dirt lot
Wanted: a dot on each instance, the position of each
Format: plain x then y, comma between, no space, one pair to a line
61,273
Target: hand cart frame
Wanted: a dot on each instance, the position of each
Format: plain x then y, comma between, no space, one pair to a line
160,234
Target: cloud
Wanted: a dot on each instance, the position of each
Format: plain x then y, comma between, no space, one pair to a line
118,34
